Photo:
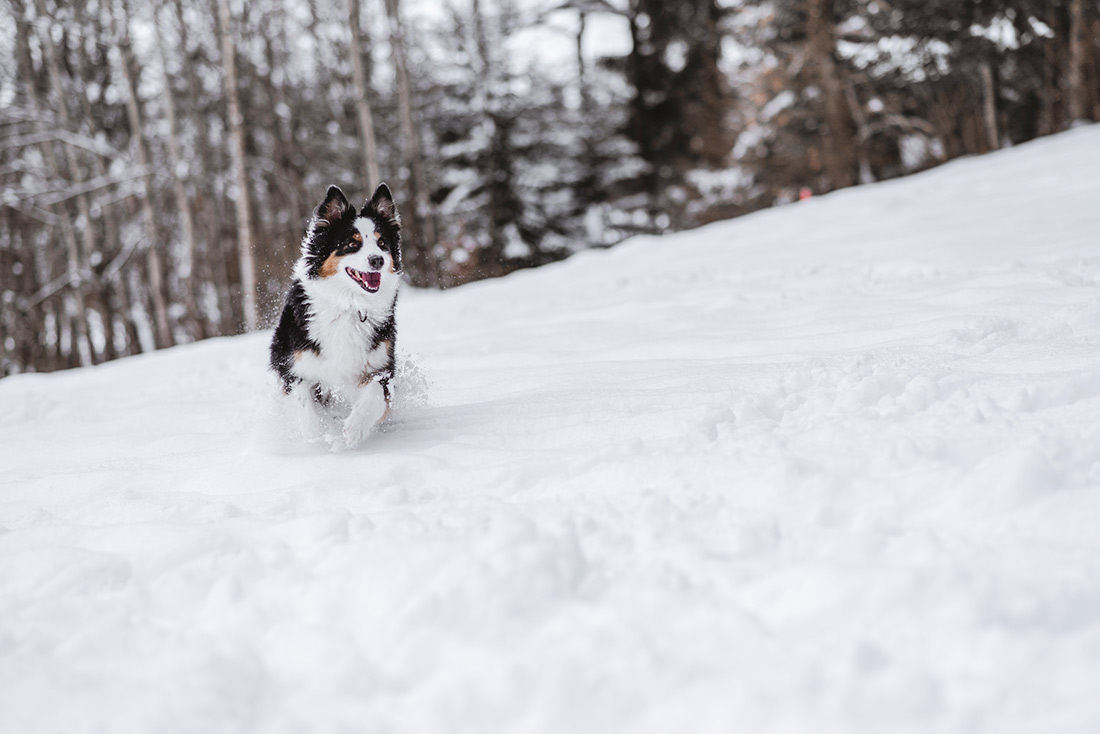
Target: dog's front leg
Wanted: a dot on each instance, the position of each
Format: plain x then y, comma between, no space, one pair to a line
370,407
306,409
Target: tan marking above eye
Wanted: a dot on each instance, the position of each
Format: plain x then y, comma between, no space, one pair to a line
377,236
357,237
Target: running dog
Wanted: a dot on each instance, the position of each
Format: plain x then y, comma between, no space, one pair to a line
333,349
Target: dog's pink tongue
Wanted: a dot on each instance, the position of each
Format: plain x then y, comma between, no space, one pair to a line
374,280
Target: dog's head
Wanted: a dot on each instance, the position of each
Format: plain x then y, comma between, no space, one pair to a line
358,253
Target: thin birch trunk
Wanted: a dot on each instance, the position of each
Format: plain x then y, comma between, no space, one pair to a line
186,261
866,172
236,129
839,139
96,296
288,160
635,64
210,263
414,158
81,342
587,191
1076,103
586,188
108,289
35,312
989,106
1047,124
582,67
362,103
153,246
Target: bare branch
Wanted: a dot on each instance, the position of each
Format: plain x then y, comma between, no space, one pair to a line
21,140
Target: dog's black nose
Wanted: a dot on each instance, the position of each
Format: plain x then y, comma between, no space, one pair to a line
376,262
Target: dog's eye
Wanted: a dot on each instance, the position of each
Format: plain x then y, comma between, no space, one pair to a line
383,246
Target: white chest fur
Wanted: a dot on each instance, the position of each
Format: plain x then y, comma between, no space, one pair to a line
345,331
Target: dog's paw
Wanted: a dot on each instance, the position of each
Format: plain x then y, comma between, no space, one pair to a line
369,410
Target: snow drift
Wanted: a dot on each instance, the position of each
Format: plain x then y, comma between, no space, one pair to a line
832,467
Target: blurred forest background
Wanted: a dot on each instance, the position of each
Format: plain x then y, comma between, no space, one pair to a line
159,160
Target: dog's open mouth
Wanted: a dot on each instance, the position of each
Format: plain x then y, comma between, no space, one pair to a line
370,282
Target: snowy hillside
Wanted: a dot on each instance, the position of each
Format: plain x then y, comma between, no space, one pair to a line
833,467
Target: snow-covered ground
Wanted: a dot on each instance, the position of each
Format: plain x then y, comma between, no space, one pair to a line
833,467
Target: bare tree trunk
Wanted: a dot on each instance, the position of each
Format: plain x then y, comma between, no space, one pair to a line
311,26
635,73
289,161
80,335
13,331
1092,78
582,69
839,138
244,216
989,106
500,204
39,271
1076,104
1047,123
586,189
863,135
423,238
152,247
28,331
210,262
186,260
102,292
362,103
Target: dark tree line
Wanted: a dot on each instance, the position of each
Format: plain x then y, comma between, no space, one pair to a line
158,160
863,90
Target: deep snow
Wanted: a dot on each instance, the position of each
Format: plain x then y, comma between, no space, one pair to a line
832,467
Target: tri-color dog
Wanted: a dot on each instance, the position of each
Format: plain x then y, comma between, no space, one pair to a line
334,345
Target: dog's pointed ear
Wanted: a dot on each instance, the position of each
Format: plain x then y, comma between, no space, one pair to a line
333,208
382,201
